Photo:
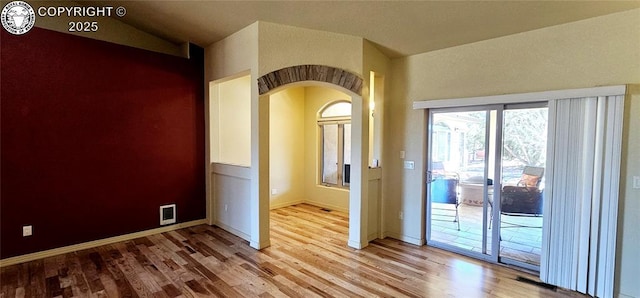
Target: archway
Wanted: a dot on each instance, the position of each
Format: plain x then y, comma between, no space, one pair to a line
312,73
327,77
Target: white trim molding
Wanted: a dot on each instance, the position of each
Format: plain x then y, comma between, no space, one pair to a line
358,244
520,97
285,204
327,206
81,246
233,231
404,238
237,171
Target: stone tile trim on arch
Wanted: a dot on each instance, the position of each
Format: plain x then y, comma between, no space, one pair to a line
299,73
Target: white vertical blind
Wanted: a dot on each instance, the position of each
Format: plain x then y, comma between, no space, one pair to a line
581,195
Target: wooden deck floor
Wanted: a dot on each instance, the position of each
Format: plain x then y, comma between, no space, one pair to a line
308,258
521,237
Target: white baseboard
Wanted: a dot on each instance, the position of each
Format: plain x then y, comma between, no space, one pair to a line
313,203
96,243
330,207
260,245
620,295
405,238
357,244
285,204
233,231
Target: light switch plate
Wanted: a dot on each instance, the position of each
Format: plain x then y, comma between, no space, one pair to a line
636,182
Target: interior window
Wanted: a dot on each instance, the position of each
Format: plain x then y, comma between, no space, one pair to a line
335,160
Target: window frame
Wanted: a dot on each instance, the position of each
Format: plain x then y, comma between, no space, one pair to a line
340,121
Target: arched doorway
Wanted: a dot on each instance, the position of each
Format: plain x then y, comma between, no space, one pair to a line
314,76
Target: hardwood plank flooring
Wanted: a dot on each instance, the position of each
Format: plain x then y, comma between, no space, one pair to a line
308,258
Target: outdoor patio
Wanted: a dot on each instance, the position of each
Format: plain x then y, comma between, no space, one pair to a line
521,236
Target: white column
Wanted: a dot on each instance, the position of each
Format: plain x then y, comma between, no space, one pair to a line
358,190
259,169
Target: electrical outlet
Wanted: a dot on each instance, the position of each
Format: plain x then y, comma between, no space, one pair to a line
274,191
226,207
636,182
402,154
401,215
409,165
27,231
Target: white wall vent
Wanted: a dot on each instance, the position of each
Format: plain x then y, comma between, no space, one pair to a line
167,214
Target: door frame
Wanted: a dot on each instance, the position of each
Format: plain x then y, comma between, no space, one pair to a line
499,109
498,165
493,258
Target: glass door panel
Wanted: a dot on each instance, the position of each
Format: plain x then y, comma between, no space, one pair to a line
469,149
346,155
330,154
457,188
524,147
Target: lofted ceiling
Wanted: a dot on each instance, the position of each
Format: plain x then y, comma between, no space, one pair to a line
398,28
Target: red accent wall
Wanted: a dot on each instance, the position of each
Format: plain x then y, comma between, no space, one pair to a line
95,137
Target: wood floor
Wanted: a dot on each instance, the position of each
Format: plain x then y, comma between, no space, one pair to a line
308,258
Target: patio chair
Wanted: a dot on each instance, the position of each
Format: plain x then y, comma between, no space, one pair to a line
524,199
444,190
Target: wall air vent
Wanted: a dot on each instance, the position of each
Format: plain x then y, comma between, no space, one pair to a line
167,214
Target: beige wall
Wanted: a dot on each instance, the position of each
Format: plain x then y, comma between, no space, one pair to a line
628,260
230,113
338,199
234,56
259,49
295,148
286,142
375,61
594,52
282,46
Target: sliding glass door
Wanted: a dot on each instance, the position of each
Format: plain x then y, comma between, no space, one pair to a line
524,148
459,179
468,150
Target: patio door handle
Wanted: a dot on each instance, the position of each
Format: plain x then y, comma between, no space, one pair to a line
429,177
